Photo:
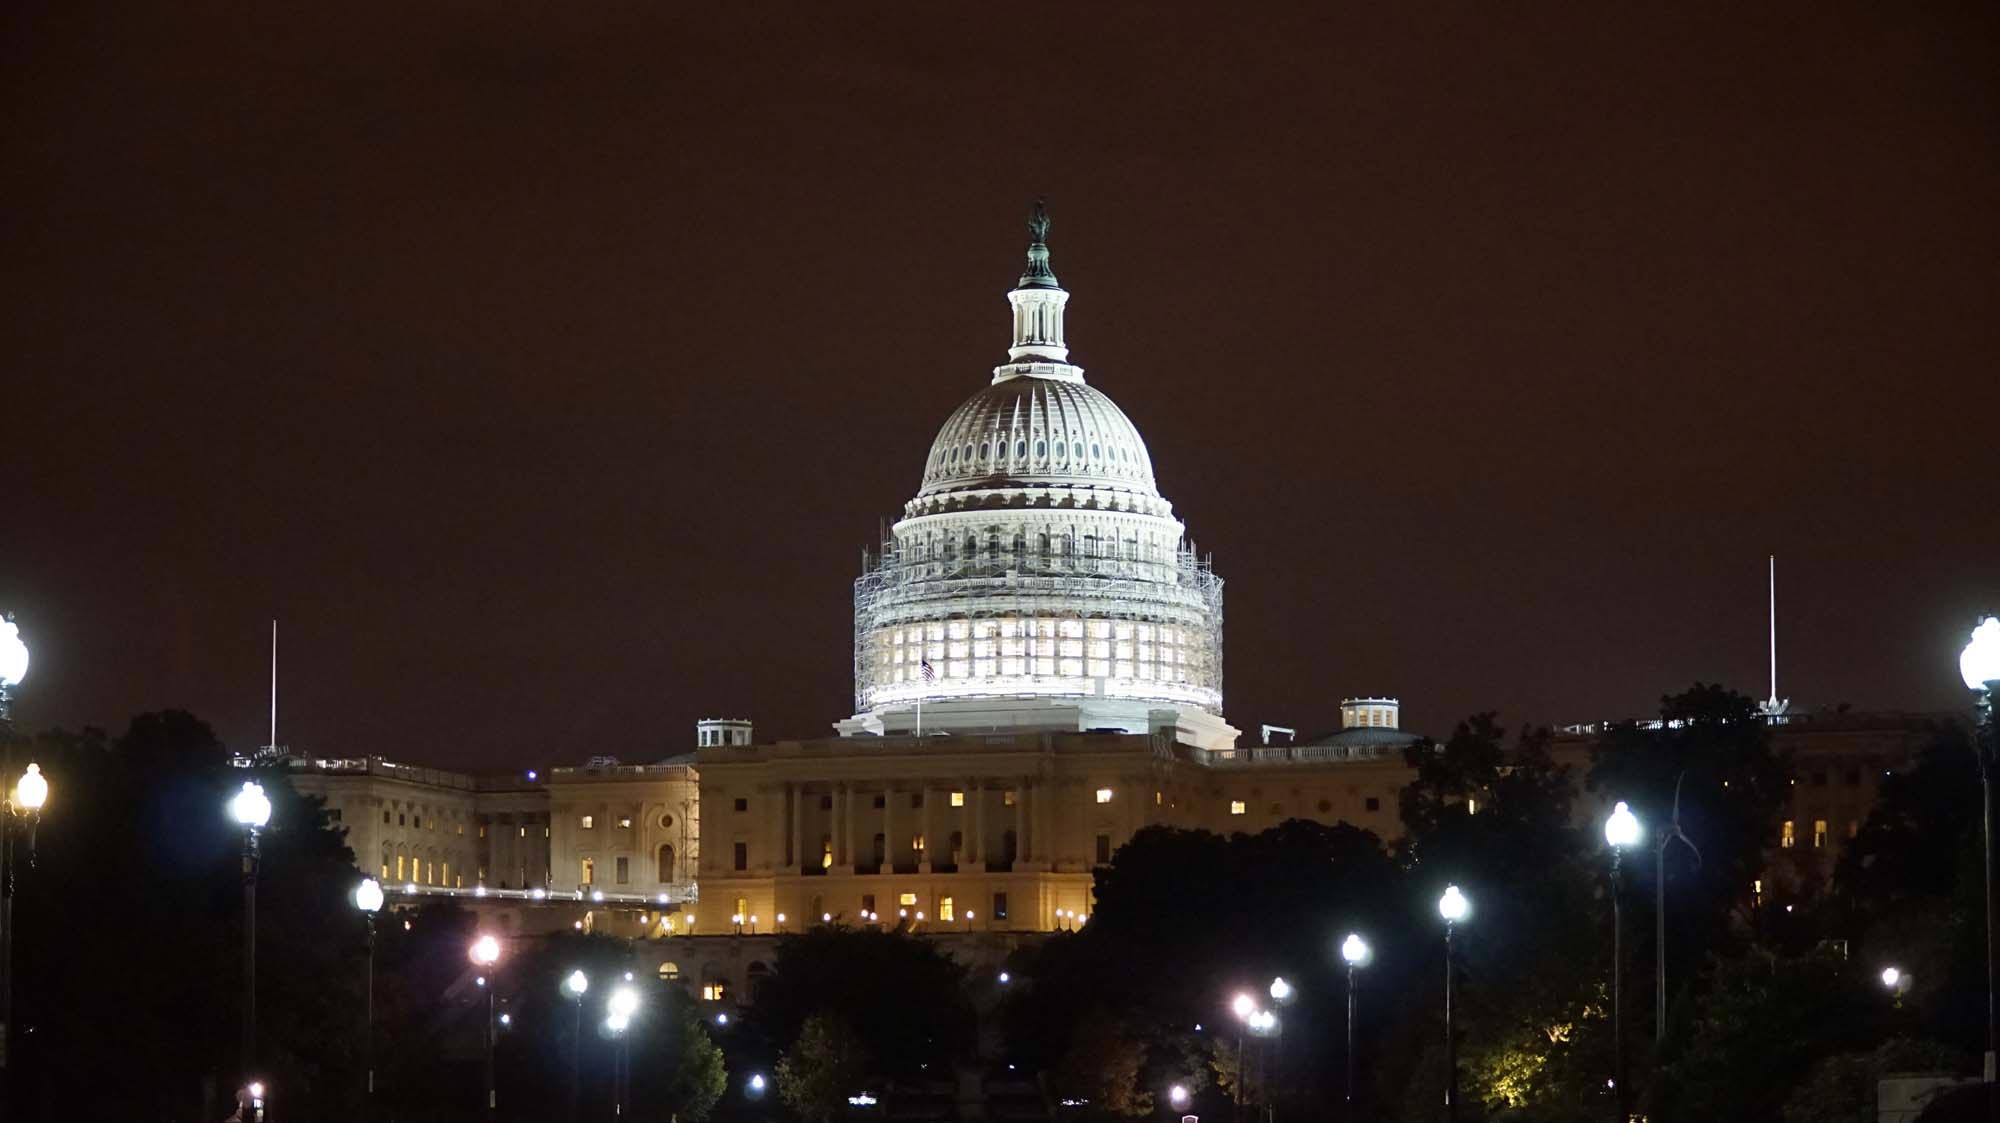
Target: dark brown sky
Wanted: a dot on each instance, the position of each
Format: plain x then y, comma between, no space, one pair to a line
545,372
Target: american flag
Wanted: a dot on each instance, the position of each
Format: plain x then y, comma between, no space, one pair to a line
929,672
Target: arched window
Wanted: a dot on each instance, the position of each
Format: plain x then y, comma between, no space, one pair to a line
1042,543
670,972
666,861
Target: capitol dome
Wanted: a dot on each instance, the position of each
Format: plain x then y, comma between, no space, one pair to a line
1038,579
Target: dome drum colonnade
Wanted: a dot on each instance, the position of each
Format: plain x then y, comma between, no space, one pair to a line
1038,559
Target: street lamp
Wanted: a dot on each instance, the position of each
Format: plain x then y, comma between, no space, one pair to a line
1178,1097
251,809
575,985
13,663
484,953
1454,907
1620,830
1245,1008
1979,666
1357,953
623,1004
368,898
30,793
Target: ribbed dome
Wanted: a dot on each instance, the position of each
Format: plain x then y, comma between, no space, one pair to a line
1032,432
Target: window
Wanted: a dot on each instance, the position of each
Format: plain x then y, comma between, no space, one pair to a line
1374,803
742,804
1819,834
878,803
1236,807
742,855
524,832
907,900
588,822
1472,807
666,857
670,972
916,800
666,821
999,906
399,868
385,818
1104,795
1159,797
461,830
713,992
402,820
867,902
1786,839
1007,798
917,843
826,803
957,844
742,910
589,872
1325,805
1757,890
1103,849
958,799
623,871
624,824
1853,827
881,849
944,909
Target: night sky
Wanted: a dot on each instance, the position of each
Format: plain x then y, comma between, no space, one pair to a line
545,368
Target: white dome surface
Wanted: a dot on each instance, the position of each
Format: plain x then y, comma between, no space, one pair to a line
1035,432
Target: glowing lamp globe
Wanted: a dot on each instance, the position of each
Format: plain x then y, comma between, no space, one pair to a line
616,1023
33,789
1978,664
577,983
251,806
1178,1096
1622,828
1281,990
1354,949
368,895
1243,1006
624,1002
485,951
1453,905
13,654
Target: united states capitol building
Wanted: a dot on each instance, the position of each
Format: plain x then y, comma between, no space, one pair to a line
1038,674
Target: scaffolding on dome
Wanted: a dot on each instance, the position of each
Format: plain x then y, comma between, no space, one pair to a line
1025,623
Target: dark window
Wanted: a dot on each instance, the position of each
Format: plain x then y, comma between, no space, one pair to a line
826,803
867,902
625,871
742,804
1374,804
881,850
916,799
1008,847
666,862
401,820
742,855
999,906
878,803
385,818
1325,805
1103,849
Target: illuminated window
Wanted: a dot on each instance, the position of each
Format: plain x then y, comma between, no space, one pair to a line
670,972
826,853
1007,798
907,899
461,828
868,902
399,868
588,822
944,908
625,822
524,832
1757,890
1472,807
958,799
1786,838
1104,795
712,992
1236,807
1158,797
589,872
1819,833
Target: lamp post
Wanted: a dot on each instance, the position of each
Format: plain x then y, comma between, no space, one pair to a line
1243,1006
575,985
1897,982
368,898
1620,830
1668,837
623,1005
1357,953
1454,907
1979,666
484,953
1282,994
251,809
30,793
13,668
1263,1024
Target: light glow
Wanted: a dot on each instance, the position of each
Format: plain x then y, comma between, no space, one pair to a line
251,807
1243,1006
1891,976
368,896
577,983
1979,663
1281,991
624,1002
1178,1096
1453,906
13,654
485,951
1622,828
33,789
1355,950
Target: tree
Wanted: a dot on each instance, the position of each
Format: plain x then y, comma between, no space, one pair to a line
865,978
1101,1068
1842,1088
823,1067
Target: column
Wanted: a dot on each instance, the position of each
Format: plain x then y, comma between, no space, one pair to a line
1020,822
846,804
889,794
928,823
975,845
795,846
